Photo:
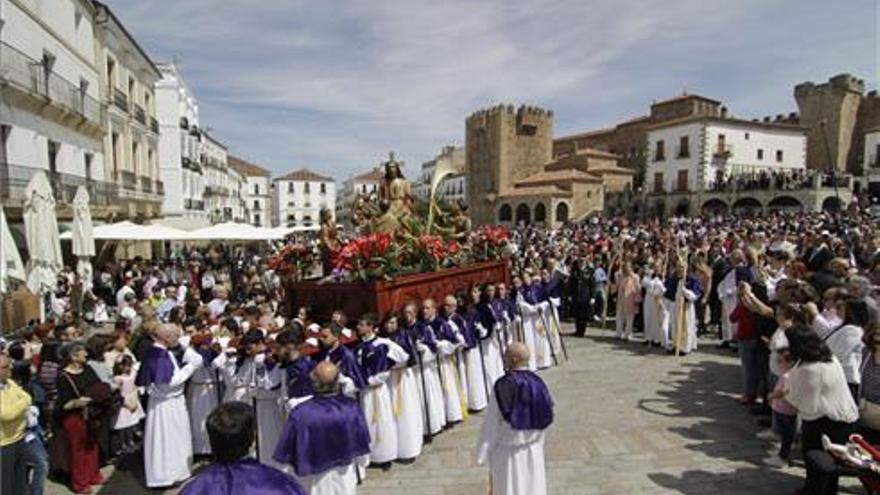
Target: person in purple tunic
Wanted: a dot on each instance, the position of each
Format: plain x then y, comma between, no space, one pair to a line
449,341
297,366
326,438
232,431
512,436
430,389
334,351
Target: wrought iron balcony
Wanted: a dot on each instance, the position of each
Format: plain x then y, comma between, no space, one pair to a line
154,125
146,184
15,178
160,188
34,77
723,151
139,114
120,100
127,179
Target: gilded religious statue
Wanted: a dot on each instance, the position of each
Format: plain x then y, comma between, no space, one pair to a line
392,210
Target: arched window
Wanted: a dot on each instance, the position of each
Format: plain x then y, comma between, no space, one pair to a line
505,214
540,213
523,214
562,212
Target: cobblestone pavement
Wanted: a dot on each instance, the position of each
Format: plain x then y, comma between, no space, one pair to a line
629,420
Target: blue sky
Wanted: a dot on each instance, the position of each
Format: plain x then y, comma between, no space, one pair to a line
333,85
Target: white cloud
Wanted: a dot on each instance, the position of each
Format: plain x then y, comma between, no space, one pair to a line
334,85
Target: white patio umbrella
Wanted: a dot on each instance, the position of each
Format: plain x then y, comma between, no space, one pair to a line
83,236
128,231
11,266
41,233
233,232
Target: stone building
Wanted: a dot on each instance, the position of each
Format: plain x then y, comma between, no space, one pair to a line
364,184
629,139
512,175
298,197
839,114
256,191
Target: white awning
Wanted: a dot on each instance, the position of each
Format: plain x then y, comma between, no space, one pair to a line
128,231
234,232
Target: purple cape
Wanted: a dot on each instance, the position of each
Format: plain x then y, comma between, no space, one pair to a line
690,283
323,433
442,330
157,367
242,477
373,358
404,338
423,333
345,360
298,376
465,325
524,400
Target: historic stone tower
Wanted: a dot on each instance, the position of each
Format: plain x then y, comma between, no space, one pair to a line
832,108
503,145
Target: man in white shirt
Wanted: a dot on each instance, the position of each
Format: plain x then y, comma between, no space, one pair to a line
125,289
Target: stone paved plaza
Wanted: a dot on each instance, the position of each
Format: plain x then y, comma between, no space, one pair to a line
629,420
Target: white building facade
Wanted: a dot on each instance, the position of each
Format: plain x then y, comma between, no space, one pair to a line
871,172
453,187
695,154
365,184
51,116
299,197
180,150
215,171
132,139
256,192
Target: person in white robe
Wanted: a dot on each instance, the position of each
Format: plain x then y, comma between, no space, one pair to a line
428,373
511,439
530,317
448,344
256,380
406,399
656,320
685,296
470,365
167,435
202,393
728,297
376,357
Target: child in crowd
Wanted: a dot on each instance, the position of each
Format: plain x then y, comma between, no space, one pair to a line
784,414
131,413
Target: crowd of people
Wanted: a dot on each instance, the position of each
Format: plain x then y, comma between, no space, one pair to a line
788,180
794,296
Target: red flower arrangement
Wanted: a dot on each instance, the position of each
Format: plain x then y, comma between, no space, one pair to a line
368,257
489,242
293,259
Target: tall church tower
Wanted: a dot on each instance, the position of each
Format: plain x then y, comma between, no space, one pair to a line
832,108
502,146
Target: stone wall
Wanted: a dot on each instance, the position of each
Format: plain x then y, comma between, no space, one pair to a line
832,108
504,145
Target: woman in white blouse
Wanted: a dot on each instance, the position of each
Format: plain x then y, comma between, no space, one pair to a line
819,391
845,341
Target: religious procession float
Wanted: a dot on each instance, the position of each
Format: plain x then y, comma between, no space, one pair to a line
396,255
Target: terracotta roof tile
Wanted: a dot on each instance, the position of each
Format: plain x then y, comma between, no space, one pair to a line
304,174
247,169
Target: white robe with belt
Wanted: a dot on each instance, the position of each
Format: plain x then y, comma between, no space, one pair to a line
531,318
454,396
689,339
201,398
378,410
727,294
472,378
515,457
492,353
406,403
653,311
253,383
435,415
167,436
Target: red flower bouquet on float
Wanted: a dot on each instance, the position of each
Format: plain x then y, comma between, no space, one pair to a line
489,243
293,260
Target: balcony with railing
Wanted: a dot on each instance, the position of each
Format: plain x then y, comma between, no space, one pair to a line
15,178
139,114
194,204
154,125
160,188
120,100
127,179
35,78
146,184
723,151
